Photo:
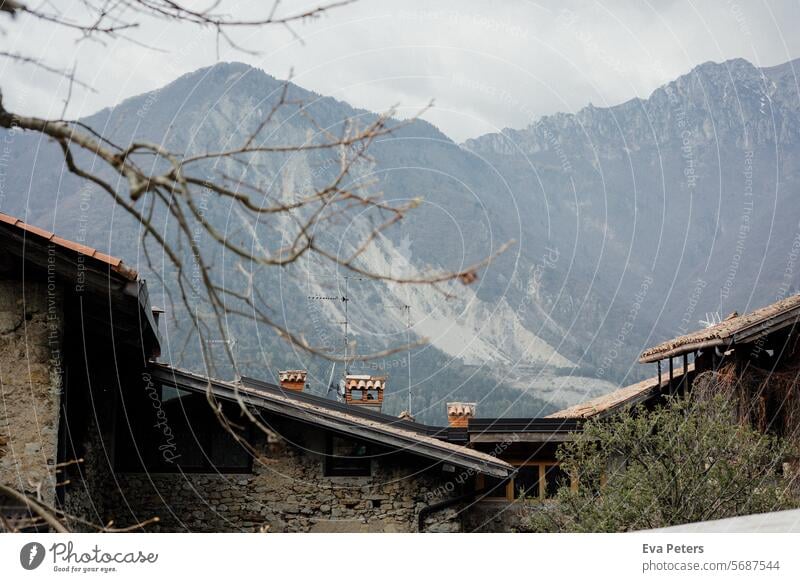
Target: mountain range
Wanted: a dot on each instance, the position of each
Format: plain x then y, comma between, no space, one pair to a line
630,224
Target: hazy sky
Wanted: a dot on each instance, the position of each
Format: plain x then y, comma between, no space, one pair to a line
487,65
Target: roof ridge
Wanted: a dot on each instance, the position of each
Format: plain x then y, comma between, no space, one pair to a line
114,263
722,331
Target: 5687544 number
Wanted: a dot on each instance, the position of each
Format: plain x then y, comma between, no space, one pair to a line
754,565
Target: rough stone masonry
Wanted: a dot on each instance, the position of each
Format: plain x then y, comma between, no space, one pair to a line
30,385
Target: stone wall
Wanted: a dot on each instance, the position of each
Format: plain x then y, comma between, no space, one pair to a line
30,385
91,486
288,493
495,517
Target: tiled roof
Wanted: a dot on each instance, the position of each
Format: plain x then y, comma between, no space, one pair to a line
114,263
629,395
734,327
328,414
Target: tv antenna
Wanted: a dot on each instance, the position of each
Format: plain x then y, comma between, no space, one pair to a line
407,311
344,299
711,319
231,347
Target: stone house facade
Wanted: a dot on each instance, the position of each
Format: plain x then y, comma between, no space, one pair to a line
94,429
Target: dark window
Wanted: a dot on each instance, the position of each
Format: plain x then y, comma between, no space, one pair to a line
495,486
526,482
347,458
167,429
554,477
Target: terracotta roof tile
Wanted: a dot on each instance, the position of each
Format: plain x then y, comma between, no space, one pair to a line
77,247
46,234
114,263
783,312
8,219
618,398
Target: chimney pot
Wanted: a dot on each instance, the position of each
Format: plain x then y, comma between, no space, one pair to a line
364,390
459,413
294,380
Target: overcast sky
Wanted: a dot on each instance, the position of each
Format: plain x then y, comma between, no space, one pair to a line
486,65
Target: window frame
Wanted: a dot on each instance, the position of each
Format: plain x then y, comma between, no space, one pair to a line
510,493
329,468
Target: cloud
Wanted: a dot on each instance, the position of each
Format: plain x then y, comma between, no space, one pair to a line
485,67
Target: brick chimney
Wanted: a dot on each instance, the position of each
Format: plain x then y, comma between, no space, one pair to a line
293,379
364,390
459,413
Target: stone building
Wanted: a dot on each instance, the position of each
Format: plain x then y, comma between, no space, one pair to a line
93,426
75,325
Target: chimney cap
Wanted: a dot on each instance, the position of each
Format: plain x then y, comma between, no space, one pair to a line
292,375
461,408
365,382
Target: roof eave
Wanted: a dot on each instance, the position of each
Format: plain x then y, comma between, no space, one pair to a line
286,407
682,349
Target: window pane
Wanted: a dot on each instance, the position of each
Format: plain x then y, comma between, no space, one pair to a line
347,457
227,453
496,486
170,393
526,482
555,478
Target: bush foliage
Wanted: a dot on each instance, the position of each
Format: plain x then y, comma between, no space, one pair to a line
682,462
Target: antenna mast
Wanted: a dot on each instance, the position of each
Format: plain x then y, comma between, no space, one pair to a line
345,299
407,309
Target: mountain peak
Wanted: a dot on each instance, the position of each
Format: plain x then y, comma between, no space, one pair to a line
712,97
